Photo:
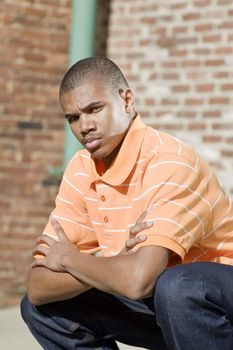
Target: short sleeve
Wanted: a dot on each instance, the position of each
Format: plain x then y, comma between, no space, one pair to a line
70,211
174,192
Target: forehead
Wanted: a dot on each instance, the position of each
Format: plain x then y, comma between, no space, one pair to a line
84,94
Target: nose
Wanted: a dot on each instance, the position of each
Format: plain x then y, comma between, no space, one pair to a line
86,124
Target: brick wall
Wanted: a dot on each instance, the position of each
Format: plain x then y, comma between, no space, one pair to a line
178,57
33,59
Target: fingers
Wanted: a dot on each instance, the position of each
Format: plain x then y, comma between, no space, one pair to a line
142,216
45,239
40,250
58,229
38,262
140,227
43,243
132,242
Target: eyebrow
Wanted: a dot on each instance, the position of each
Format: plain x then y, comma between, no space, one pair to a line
88,106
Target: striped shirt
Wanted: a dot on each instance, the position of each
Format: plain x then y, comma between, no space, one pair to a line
192,215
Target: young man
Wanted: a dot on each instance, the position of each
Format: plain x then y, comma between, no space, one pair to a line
170,289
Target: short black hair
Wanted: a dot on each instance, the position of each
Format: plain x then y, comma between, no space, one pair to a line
94,69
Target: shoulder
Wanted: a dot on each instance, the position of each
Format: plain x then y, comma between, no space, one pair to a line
161,145
79,163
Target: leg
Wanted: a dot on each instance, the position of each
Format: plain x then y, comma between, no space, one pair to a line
93,320
194,306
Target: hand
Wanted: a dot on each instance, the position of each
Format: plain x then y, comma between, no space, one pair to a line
53,250
133,239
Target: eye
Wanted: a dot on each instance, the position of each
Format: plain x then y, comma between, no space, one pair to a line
95,109
73,118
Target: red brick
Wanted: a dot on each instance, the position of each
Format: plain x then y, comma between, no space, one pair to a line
219,100
224,50
179,5
221,75
203,27
222,126
211,114
170,76
186,114
227,153
205,88
178,52
213,38
213,62
180,29
229,140
196,126
180,88
191,16
202,51
202,3
227,87
194,101
191,63
212,139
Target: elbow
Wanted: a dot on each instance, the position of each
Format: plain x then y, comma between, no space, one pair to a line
137,290
35,291
35,298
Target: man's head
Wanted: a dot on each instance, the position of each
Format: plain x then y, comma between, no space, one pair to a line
98,105
96,69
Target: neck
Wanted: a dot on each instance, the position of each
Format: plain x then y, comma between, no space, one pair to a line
111,157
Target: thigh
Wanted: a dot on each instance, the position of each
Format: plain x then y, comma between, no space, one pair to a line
194,306
109,316
218,275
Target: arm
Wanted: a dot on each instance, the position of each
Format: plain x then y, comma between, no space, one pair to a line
45,286
132,275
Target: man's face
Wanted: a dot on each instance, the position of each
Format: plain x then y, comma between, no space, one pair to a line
98,118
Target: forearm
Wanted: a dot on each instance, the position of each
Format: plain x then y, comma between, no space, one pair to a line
103,273
122,275
45,286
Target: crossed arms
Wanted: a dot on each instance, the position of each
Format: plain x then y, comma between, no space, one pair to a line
64,272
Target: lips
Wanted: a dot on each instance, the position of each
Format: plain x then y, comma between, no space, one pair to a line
92,143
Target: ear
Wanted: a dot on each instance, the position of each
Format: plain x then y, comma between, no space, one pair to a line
128,97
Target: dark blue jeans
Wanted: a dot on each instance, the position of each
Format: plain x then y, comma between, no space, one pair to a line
192,309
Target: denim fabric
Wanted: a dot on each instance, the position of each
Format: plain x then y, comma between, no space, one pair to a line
194,306
194,310
93,320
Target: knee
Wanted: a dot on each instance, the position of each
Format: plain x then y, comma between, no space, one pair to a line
27,309
176,286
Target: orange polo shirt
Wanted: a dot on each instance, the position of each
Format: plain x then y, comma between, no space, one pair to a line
192,215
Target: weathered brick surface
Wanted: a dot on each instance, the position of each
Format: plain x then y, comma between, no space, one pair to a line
178,57
33,58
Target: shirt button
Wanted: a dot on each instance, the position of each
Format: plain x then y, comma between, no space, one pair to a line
105,219
102,198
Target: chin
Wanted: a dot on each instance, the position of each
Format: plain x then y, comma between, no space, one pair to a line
98,155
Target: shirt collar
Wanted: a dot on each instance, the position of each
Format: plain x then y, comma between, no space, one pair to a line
125,160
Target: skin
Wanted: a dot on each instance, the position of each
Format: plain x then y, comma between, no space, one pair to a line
95,113
99,119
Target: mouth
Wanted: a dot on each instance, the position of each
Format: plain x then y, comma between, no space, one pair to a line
91,144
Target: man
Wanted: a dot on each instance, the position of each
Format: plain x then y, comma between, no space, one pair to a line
170,289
